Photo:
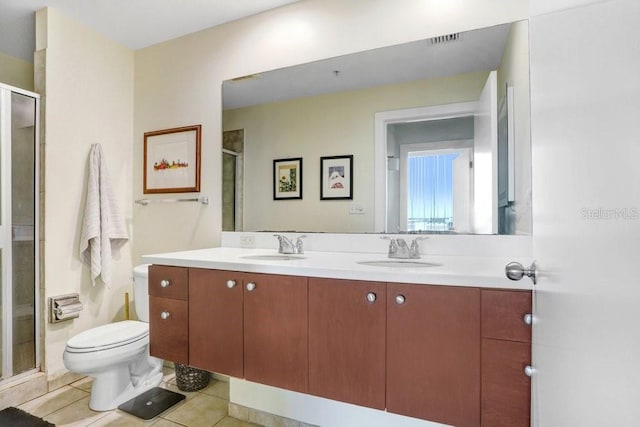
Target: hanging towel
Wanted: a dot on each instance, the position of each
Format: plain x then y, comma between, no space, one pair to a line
103,232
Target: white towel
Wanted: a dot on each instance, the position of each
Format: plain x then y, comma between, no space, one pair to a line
103,231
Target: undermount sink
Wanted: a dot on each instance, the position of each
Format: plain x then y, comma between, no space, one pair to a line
397,263
274,257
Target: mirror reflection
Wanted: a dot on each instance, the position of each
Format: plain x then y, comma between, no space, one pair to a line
438,130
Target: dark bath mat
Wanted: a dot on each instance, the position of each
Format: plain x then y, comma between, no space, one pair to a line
151,403
15,417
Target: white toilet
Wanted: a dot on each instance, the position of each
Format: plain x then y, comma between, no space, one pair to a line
117,354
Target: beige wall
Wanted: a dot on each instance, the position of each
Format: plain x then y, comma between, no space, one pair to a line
327,125
179,82
89,99
16,72
514,70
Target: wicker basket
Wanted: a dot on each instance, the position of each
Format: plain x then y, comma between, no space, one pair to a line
191,379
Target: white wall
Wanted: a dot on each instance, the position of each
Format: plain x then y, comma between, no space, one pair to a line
88,92
187,90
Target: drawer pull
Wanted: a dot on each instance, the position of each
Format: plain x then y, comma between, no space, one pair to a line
371,297
400,299
164,283
231,284
529,370
165,315
528,319
251,286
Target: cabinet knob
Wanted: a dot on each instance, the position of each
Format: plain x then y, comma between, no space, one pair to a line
165,315
529,370
231,284
400,299
528,319
251,286
164,283
371,297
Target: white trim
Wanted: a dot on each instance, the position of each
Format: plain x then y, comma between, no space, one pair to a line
385,118
20,91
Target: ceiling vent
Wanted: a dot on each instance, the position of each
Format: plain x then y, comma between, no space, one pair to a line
448,38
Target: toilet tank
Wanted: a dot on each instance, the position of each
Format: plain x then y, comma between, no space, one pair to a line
141,291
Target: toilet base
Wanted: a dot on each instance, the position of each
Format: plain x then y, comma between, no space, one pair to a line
123,382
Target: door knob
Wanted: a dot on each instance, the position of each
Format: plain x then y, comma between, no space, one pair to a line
165,315
164,283
515,271
231,283
371,297
251,286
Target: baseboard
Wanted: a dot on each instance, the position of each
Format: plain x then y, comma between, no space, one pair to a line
262,418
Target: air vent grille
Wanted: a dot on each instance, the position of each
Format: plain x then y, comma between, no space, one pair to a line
448,38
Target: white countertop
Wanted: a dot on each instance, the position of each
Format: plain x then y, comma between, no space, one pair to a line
454,270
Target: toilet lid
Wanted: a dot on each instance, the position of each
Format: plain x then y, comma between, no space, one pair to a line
108,336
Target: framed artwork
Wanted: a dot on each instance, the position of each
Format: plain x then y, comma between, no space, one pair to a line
336,178
287,179
172,160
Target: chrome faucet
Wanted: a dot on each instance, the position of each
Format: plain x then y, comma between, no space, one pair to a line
399,249
286,245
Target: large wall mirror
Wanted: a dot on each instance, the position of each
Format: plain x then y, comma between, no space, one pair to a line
438,131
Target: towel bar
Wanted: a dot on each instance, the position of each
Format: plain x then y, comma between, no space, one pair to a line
203,199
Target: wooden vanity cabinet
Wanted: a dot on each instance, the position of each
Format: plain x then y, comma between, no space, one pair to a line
506,351
433,353
275,330
216,321
347,341
168,313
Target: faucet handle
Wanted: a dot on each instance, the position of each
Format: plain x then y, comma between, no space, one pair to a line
414,252
393,244
299,244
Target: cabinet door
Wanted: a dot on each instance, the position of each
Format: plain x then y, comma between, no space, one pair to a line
433,353
347,341
168,329
215,321
506,390
275,330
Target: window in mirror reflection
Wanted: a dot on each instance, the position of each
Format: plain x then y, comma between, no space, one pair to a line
436,186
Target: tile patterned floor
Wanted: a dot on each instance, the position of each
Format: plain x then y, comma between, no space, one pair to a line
69,407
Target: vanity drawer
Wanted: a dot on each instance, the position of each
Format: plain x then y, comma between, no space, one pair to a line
168,282
503,313
169,329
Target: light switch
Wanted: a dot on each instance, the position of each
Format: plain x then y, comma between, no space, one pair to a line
356,208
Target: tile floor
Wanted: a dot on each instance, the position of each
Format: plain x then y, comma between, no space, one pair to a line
69,407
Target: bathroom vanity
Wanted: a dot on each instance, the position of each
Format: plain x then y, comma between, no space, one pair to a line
445,343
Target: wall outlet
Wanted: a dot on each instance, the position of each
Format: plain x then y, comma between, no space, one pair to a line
356,208
248,242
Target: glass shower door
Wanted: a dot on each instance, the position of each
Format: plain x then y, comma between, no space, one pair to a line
18,231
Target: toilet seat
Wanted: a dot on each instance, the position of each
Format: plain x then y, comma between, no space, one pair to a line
108,336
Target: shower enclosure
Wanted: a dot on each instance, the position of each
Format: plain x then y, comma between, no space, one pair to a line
19,234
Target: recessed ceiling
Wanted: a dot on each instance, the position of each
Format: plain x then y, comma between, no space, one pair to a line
133,23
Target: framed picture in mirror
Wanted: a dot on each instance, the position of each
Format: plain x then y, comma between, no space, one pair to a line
287,179
172,160
336,178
